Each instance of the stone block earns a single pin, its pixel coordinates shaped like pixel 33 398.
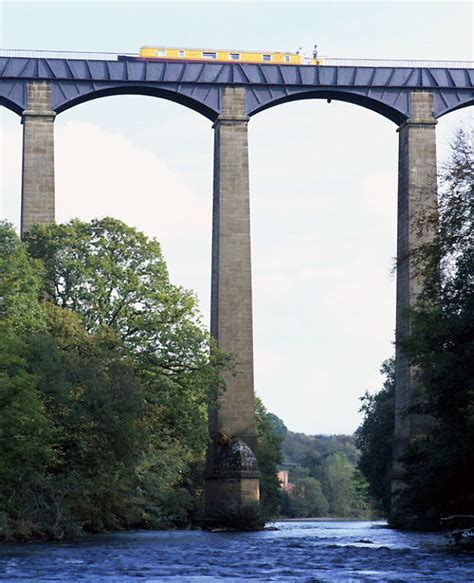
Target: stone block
pixel 37 196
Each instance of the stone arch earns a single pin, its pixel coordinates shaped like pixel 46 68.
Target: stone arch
pixel 450 109
pixel 398 116
pixel 86 93
pixel 11 105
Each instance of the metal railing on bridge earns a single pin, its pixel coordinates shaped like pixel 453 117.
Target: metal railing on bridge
pixel 408 63
pixel 90 56
pixel 338 62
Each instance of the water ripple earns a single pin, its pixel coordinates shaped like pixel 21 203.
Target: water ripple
pixel 299 551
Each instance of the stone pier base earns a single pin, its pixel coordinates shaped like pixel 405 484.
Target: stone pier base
pixel 232 488
pixel 232 477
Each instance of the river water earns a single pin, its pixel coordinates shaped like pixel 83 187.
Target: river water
pixel 297 551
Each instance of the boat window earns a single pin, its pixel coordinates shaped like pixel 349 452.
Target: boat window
pixel 287 58
pixel 209 55
pixel 234 56
pixel 266 58
pixel 160 53
pixel 181 53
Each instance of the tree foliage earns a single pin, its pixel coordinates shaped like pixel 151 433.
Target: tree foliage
pixel 439 465
pixel 323 476
pixel 269 457
pixel 26 436
pixel 20 285
pixel 374 439
pixel 337 477
pixel 105 370
pixel 116 280
pixel 441 346
pixel 307 499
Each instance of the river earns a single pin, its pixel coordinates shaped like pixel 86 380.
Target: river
pixel 297 551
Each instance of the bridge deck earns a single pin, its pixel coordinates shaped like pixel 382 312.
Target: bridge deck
pixel 383 86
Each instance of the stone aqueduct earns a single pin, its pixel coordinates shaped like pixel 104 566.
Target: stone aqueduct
pixel 413 96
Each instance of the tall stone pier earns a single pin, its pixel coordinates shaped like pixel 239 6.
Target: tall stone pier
pixel 37 194
pixel 232 477
pixel 417 212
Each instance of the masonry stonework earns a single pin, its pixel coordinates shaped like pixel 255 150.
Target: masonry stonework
pixel 37 195
pixel 417 212
pixel 231 300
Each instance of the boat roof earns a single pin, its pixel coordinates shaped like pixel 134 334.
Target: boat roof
pixel 217 50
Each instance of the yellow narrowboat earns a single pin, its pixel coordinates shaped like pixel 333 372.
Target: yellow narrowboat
pixel 227 56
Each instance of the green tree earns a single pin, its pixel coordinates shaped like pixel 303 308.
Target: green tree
pixel 308 450
pixel 269 457
pixel 313 456
pixel 374 439
pixel 338 485
pixel 20 285
pixel 439 464
pixel 95 402
pixel 307 499
pixel 25 435
pixel 442 349
pixel 104 384
pixel 116 278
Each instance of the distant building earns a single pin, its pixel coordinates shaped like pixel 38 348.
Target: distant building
pixel 285 485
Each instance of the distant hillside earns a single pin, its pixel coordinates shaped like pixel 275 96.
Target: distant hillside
pixel 306 450
pixel 322 474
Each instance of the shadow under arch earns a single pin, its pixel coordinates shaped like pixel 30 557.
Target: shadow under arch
pixel 149 91
pixel 368 103
pixel 11 105
pixel 448 110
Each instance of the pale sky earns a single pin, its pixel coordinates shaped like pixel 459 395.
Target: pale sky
pixel 323 177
